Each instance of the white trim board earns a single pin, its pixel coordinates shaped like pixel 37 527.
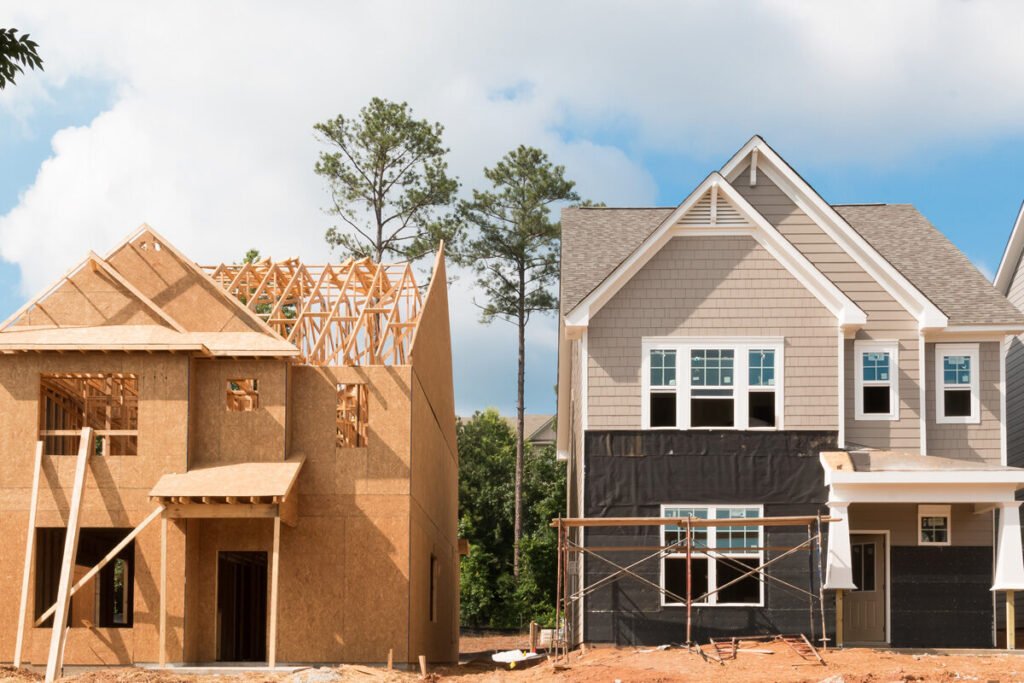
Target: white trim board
pixel 1011 255
pixel 828 219
pixel 847 313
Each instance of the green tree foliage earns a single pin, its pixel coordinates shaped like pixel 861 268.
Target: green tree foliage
pixel 389 182
pixel 16 52
pixel 513 249
pixel 491 596
pixel 251 256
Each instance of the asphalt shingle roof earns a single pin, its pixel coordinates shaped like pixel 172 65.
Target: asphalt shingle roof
pixel 923 255
pixel 596 240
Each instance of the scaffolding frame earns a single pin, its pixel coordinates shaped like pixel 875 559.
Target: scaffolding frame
pixel 569 550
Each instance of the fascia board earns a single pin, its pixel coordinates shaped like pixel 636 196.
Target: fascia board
pixel 966 477
pixel 804 196
pixel 1011 255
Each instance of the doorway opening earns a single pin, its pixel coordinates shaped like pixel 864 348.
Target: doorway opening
pixel 241 606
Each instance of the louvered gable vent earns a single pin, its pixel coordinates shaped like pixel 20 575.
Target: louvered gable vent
pixel 713 209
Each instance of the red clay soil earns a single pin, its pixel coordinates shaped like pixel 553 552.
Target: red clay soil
pixel 609 664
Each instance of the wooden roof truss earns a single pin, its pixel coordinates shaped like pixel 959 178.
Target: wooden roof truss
pixel 352 313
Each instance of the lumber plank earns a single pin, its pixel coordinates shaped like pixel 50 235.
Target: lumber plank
pixel 55 660
pixel 275 569
pixel 29 551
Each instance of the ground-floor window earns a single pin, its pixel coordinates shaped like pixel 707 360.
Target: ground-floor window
pixel 721 555
pixel 107 600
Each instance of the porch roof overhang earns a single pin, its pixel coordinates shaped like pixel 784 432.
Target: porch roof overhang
pixel 240 490
pixel 889 476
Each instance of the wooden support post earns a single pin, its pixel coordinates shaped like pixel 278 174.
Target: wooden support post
pixel 275 565
pixel 689 579
pixel 1011 622
pixel 55 661
pixel 163 592
pixel 423 666
pixel 391 658
pixel 29 550
pixel 839 617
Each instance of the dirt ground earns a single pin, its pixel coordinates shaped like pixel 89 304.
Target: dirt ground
pixel 756 662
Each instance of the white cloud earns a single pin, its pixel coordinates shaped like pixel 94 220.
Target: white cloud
pixel 209 137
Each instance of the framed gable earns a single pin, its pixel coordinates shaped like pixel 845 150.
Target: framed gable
pixel 179 287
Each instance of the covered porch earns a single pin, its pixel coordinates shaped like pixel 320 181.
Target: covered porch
pixel 241 491
pixel 923 548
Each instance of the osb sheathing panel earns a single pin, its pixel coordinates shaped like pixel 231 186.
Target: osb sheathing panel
pixel 434 532
pixel 115 494
pixel 438 639
pixel 382 466
pixel 90 298
pixel 431 354
pixel 221 437
pixel 189 297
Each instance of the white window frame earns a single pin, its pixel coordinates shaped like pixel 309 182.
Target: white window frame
pixel 860 347
pixel 712 536
pixel 971 351
pixel 935 511
pixel 741 346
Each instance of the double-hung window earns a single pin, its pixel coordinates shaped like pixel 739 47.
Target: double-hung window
pixel 877 380
pixel 692 383
pixel 662 395
pixel 956 384
pixel 721 555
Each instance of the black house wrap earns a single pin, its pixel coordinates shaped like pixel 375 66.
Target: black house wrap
pixel 632 473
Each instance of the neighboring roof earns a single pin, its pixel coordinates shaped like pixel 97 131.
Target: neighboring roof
pixel 240 480
pixel 537 427
pixel 931 262
pixel 596 240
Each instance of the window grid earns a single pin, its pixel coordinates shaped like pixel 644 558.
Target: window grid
pixel 761 368
pixel 956 370
pixel 712 368
pixel 876 367
pixel 663 368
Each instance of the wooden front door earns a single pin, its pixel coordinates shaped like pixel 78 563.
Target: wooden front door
pixel 864 608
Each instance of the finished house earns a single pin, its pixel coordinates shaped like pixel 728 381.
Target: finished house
pixel 758 353
pixel 243 463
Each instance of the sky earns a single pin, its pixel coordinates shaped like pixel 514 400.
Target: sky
pixel 197 118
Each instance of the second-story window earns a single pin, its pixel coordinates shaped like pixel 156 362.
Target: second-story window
pixel 712 387
pixel 107 402
pixel 761 397
pixel 663 388
pixel 956 384
pixel 693 383
pixel 877 380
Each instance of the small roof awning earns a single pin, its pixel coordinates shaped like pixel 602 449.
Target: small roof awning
pixel 249 489
pixel 891 476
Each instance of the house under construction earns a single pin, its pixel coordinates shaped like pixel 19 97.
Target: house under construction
pixel 240 463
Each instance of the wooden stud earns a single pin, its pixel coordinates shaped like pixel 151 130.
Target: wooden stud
pixel 275 569
pixel 839 617
pixel 423 666
pixel 391 660
pixel 1011 621
pixel 55 661
pixel 29 550
pixel 163 592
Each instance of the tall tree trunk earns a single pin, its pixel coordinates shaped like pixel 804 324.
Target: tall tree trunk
pixel 517 529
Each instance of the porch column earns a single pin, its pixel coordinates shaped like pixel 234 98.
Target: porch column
pixel 1009 574
pixel 838 572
